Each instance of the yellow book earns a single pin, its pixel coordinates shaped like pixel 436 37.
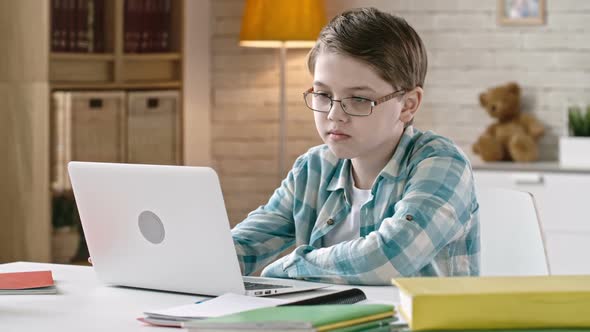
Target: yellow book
pixel 460 303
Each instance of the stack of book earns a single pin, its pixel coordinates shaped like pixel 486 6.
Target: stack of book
pixel 323 317
pixel 147 26
pixel 336 311
pixel 77 25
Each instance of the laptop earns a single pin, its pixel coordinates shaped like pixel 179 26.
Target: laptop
pixel 163 228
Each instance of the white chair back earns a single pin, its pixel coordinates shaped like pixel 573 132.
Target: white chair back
pixel 511 235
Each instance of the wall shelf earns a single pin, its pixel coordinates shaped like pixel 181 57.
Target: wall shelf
pixel 115 86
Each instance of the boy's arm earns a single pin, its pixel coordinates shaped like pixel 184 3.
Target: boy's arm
pixel 434 211
pixel 269 230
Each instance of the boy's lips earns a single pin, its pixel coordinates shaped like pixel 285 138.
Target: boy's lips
pixel 337 135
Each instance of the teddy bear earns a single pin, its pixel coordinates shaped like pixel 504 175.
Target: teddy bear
pixel 514 135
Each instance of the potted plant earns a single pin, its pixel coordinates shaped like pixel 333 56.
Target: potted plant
pixel 574 148
pixel 66 235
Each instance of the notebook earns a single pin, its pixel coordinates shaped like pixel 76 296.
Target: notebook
pixel 233 303
pixel 164 228
pixel 31 282
pixel 524 302
pixel 320 318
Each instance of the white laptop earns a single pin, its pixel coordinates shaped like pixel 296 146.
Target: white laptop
pixel 164 228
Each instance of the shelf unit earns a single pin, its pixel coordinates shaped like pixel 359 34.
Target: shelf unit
pixel 27 78
pixel 115 69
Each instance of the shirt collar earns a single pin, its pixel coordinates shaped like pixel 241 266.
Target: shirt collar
pixel 394 168
pixel 341 178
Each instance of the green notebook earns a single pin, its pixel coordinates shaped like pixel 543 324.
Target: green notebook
pixel 326 317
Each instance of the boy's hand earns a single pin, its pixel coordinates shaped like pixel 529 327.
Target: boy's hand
pixel 275 269
pixel 90 260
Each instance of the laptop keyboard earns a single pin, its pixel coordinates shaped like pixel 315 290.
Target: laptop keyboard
pixel 256 285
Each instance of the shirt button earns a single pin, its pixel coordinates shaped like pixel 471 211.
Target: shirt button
pixel 409 217
pixel 330 222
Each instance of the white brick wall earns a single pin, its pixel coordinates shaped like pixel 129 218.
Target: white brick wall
pixel 468 52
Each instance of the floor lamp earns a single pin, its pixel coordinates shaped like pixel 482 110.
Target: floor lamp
pixel 282 24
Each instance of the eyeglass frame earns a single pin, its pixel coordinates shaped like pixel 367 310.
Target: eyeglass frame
pixel 374 103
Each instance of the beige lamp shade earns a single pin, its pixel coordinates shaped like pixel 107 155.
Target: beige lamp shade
pixel 277 23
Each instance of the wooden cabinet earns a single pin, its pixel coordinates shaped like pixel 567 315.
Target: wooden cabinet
pixel 116 109
pixel 562 197
pixel 30 72
pixel 29 75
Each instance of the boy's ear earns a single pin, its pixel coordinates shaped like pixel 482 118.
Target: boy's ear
pixel 412 101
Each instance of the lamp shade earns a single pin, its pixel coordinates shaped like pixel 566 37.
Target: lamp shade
pixel 277 23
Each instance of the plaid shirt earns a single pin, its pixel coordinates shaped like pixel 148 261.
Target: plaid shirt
pixel 421 221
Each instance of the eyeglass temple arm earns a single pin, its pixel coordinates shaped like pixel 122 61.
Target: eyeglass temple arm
pixel 388 97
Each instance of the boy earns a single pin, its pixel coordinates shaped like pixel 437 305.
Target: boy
pixel 380 199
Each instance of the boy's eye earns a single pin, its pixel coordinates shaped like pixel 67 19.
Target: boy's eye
pixel 358 99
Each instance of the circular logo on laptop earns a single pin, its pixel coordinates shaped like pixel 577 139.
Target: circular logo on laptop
pixel 151 227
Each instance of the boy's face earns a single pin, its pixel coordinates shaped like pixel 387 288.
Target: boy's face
pixel 372 137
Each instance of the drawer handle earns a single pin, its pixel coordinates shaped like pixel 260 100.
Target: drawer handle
pixel 153 102
pixel 528 179
pixel 95 103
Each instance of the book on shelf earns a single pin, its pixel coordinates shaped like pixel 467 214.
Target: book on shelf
pixel 56 25
pixel 30 282
pixel 132 18
pixel 323 317
pixel 475 303
pixel 97 33
pixel 81 42
pixel 71 32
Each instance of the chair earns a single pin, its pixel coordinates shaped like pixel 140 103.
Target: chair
pixel 510 233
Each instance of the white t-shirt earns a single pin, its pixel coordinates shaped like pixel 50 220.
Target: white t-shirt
pixel 349 229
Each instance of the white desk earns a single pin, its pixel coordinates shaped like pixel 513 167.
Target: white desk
pixel 84 304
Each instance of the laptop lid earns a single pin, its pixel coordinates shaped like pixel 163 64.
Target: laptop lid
pixel 158 227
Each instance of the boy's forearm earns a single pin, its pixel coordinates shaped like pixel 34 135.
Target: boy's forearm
pixel 260 239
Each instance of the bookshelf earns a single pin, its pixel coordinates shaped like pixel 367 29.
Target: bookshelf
pixel 119 66
pixel 34 70
pixel 141 50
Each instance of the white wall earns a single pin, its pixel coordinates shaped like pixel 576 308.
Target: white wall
pixel 468 53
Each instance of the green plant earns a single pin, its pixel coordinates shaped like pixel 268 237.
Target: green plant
pixel 579 122
pixel 64 212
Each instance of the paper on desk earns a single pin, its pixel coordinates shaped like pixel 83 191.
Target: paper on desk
pixel 222 305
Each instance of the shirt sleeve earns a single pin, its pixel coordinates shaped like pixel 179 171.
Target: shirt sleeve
pixel 434 211
pixel 270 229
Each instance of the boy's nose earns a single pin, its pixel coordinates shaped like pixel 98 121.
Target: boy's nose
pixel 337 112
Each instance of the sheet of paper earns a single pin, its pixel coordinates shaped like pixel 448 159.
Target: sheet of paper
pixel 222 305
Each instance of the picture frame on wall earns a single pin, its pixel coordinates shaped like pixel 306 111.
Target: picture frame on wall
pixel 521 12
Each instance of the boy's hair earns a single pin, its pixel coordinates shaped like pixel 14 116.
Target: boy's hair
pixel 385 42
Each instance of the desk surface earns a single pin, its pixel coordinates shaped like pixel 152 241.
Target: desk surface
pixel 84 304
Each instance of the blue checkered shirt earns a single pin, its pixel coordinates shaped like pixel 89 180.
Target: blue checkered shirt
pixel 421 221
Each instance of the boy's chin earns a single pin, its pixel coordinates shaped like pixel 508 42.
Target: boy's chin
pixel 341 153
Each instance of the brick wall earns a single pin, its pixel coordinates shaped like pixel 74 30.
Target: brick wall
pixel 468 52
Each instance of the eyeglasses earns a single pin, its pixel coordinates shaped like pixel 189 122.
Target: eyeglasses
pixel 354 106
